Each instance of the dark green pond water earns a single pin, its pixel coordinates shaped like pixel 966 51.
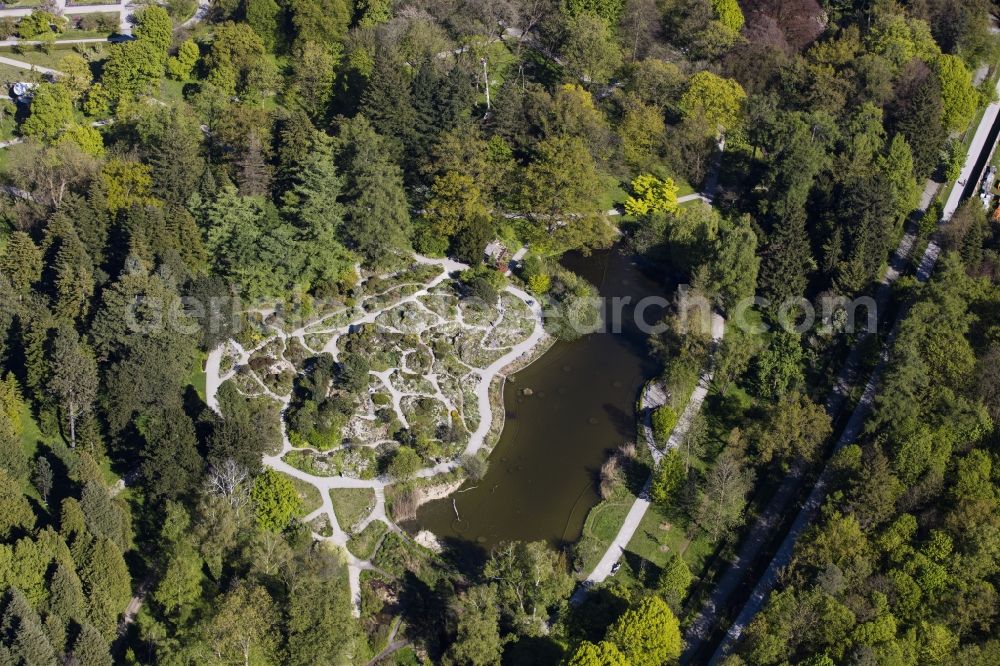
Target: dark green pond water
pixel 543 473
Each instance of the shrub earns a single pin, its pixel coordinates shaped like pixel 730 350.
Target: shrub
pixel 539 283
pixel 483 283
pixel 475 467
pixel 664 419
pixel 275 500
pixel 87 22
pixel 107 22
pixel 404 464
pixel 667 478
pixel 611 477
pixel 404 503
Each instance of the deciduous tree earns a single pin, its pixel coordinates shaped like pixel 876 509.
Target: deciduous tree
pixel 275 500
pixel 648 635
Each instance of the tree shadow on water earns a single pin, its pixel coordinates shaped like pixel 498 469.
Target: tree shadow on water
pixel 465 557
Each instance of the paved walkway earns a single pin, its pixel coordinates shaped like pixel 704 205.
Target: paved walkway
pixel 21 64
pixel 975 148
pixel 807 514
pixel 641 503
pixel 35 42
pixel 761 532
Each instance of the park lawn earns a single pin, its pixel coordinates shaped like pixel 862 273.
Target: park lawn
pixel 612 194
pixel 658 537
pixel 5 162
pixel 405 657
pixel 308 495
pixel 171 92
pixel 75 33
pixel 197 379
pixel 684 188
pixel 32 439
pixel 363 545
pixel 32 436
pixel 502 64
pixel 36 56
pixel 599 530
pixel 10 74
pixel 605 519
pixel 351 505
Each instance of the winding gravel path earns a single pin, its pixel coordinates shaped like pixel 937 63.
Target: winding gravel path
pixel 214 379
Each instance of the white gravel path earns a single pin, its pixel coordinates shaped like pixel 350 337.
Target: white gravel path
pixel 214 378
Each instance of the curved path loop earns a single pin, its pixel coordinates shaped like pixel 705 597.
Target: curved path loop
pixel 215 378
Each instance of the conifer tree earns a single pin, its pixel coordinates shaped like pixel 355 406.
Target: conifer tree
pixel 66 594
pixel 21 262
pixel 21 629
pixel 74 377
pixel 90 648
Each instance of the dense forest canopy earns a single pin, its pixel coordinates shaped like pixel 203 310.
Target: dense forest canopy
pixel 259 161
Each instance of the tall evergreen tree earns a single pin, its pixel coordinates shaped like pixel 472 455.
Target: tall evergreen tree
pixel 388 103
pixel 74 377
pixel 90 648
pixel 378 217
pixel 313 204
pixel 15 511
pixel 21 262
pixel 171 465
pixel 66 594
pixel 175 157
pixel 107 583
pixel 787 261
pixel 919 116
pixel 22 630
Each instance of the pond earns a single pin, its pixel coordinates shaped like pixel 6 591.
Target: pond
pixel 542 478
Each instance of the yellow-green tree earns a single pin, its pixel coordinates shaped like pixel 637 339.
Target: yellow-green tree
pixel 76 77
pixel 729 14
pixel 590 51
pixel 648 635
pixel 86 137
pixel 127 184
pixel 456 201
pixel 244 630
pixel 275 500
pixel 51 112
pixel 958 95
pixel 180 66
pixel 719 101
pixel 651 195
pixel 643 132
pixel 601 654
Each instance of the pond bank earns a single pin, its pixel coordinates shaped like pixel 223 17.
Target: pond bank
pixel 541 481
